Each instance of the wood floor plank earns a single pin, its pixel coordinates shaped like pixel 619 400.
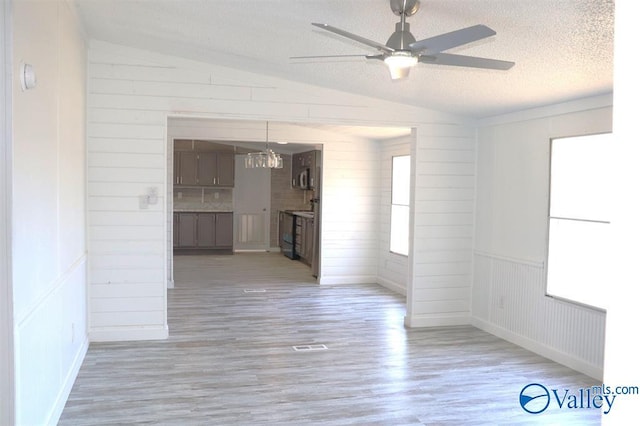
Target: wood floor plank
pixel 230 360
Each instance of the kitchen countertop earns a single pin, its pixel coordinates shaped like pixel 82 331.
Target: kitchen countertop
pixel 201 211
pixel 302 213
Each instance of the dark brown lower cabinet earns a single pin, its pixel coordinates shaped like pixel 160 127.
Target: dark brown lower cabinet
pixel 203 230
pixel 206 235
pixel 187 230
pixel 224 230
pixel 304 239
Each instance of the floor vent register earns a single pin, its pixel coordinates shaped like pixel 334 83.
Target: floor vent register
pixel 308 348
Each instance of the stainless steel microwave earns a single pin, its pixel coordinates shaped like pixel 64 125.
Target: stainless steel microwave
pixel 302 180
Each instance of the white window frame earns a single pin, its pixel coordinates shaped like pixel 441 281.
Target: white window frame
pixel 577 266
pixel 400 204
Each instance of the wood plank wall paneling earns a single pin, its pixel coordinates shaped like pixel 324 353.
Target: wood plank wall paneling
pixel 509 300
pixel 444 192
pixel 131 94
pixel 47 182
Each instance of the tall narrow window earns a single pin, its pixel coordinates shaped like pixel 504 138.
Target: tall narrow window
pixel 400 187
pixel 579 218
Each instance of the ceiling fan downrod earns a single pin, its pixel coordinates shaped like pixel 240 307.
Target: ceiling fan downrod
pixel 402 37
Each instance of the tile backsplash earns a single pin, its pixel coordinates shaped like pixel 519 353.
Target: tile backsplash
pixel 213 199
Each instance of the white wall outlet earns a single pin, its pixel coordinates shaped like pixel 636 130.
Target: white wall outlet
pixel 216 195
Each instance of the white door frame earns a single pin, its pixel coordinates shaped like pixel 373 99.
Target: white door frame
pixel 7 388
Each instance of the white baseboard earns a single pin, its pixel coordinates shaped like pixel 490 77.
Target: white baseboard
pixel 436 320
pixel 121 334
pixel 348 279
pixel 553 354
pixel 393 286
pixel 65 390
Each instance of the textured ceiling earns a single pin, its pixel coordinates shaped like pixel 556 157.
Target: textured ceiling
pixel 563 49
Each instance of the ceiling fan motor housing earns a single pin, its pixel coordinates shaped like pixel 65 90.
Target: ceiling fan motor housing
pixel 401 38
pixel 405 7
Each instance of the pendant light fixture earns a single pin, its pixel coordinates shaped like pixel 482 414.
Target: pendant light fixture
pixel 266 159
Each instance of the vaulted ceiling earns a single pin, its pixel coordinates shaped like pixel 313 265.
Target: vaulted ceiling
pixel 563 49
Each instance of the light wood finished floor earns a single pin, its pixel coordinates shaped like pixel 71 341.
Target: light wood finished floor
pixel 229 359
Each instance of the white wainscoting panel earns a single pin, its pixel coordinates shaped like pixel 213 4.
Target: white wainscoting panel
pixel 509 300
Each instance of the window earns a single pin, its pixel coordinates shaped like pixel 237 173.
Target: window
pixel 400 186
pixel 579 218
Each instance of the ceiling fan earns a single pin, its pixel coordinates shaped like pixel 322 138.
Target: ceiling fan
pixel 402 51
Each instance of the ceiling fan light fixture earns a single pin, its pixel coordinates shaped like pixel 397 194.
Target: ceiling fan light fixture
pixel 400 63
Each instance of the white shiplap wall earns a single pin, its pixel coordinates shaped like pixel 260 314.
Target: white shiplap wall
pixel 131 95
pixel 509 284
pixel 48 183
pixel 392 267
pixel 439 289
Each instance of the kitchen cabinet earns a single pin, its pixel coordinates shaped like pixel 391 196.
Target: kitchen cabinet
pixel 186 168
pixel 206 230
pixel 297 235
pixel 308 240
pixel 186 230
pixel 224 230
pixel 304 239
pixel 215 169
pixel 204 168
pixel 203 230
pixel 304 163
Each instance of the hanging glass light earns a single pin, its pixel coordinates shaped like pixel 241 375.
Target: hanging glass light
pixel 267 159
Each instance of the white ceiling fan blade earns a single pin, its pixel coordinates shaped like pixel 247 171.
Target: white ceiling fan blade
pixel 452 39
pixel 354 37
pixel 465 61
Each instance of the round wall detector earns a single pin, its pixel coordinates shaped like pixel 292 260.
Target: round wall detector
pixel 27 76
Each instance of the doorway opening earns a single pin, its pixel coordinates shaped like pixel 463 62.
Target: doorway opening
pixel 348 204
pixel 236 210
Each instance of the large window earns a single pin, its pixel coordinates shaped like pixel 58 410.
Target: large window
pixel 400 186
pixel 579 218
